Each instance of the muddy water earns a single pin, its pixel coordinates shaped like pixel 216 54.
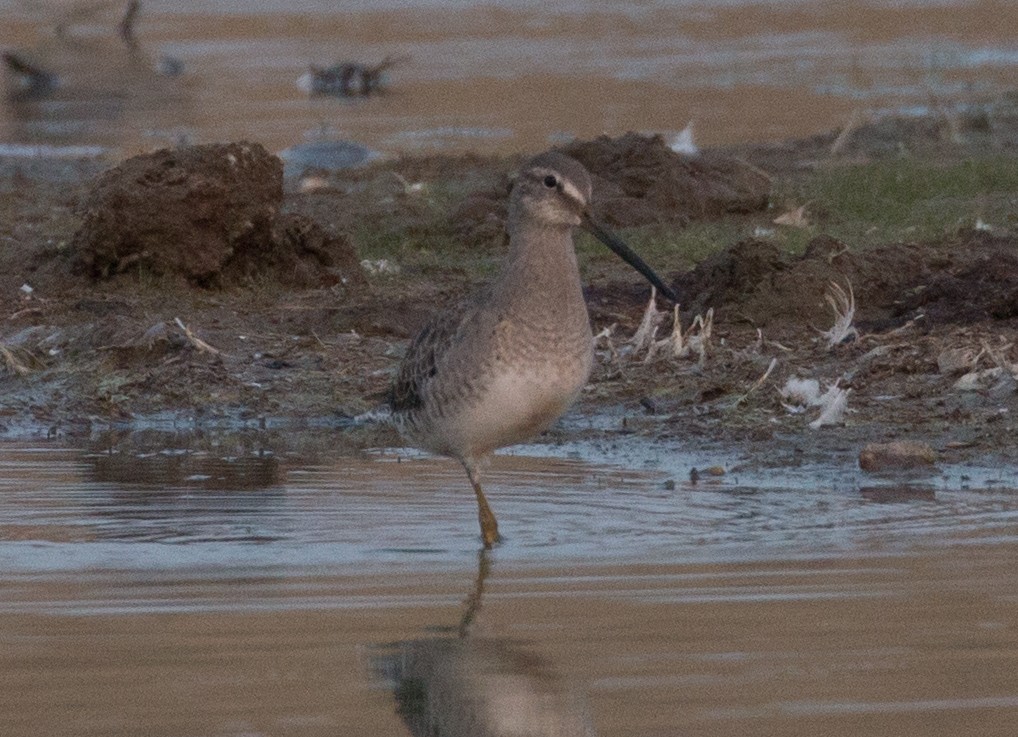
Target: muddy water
pixel 506 77
pixel 176 592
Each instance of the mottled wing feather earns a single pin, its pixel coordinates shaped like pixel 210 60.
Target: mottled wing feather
pixel 423 359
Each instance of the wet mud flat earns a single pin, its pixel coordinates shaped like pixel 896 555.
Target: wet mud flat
pixel 200 288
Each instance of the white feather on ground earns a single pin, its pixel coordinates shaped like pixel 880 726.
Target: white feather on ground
pixel 800 394
pixel 843 305
pixel 683 143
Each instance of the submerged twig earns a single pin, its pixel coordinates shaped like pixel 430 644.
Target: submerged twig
pixel 125 29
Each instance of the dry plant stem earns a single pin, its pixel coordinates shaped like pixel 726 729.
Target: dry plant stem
pixel 194 340
pixel 647 331
pixel 606 336
pixel 759 382
pixel 13 364
pixel 846 133
pixel 999 358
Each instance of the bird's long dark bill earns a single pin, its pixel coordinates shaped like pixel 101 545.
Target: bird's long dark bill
pixel 628 255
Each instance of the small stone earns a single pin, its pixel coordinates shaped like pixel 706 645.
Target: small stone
pixel 897 455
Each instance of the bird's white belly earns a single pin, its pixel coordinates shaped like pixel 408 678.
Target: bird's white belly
pixel 516 406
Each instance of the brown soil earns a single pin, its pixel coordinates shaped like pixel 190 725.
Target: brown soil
pixel 638 180
pixel 180 293
pixel 209 214
pixel 969 278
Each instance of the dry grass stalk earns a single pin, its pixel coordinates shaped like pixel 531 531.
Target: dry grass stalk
pixel 605 338
pixel 853 122
pixel 674 340
pixel 759 382
pixel 11 361
pixel 696 342
pixel 981 380
pixel 644 337
pixel 793 218
pixel 999 357
pixel 195 341
pixel 843 305
pixel 699 339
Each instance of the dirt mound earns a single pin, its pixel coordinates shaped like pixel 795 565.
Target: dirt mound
pixel 969 278
pixel 726 278
pixel 209 214
pixel 639 180
pixel 978 280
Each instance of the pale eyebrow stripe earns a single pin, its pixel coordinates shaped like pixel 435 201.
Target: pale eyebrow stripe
pixel 570 190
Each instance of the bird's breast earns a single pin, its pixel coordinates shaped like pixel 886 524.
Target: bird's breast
pixel 521 402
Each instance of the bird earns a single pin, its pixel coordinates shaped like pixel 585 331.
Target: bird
pixel 29 80
pixel 348 78
pixel 505 364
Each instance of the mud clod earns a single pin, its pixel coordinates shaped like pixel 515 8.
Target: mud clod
pixel 961 279
pixel 899 455
pixel 206 213
pixel 638 180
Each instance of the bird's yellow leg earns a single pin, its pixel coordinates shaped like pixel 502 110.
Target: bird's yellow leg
pixel 489 526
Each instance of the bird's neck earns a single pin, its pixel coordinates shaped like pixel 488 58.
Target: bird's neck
pixel 541 275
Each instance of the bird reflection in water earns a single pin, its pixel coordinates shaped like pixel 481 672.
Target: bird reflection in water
pixel 466 684
pixel 95 87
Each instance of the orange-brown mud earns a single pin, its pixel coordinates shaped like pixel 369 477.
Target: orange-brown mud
pixel 127 320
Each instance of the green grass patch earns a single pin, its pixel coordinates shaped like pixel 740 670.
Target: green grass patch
pixel 903 199
pixel 899 199
pixel 426 255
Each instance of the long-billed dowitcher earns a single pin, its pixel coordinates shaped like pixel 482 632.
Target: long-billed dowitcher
pixel 504 365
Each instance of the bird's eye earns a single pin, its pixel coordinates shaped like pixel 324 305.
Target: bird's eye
pixel 550 182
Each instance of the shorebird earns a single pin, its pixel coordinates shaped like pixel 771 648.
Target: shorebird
pixel 29 80
pixel 504 365
pixel 347 79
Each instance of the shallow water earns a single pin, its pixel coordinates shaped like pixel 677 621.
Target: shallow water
pixel 507 77
pixel 182 592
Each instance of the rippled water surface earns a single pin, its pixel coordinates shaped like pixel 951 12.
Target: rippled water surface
pixel 183 592
pixel 504 76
